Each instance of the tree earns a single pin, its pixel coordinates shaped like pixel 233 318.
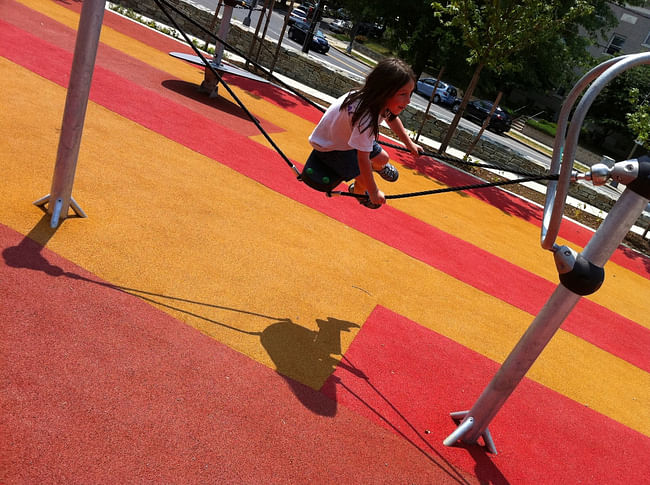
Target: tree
pixel 358 10
pixel 639 121
pixel 495 30
pixel 621 108
pixel 416 34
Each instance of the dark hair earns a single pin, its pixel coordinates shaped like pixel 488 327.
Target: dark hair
pixel 381 84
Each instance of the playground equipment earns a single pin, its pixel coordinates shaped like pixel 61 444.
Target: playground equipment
pixel 60 198
pixel 210 84
pixel 580 273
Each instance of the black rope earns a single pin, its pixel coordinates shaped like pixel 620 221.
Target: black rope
pixel 233 49
pixel 454 189
pixel 230 91
pixel 527 177
pixel 448 158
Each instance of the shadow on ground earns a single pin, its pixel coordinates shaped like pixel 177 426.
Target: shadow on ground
pixel 300 355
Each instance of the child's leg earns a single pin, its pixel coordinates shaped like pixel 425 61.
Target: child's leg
pixel 380 161
pixel 358 187
pixel 380 164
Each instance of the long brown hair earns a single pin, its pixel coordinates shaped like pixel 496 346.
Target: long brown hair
pixel 381 84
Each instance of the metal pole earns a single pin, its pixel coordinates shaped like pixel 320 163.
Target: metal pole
pixel 247 21
pixel 224 28
pixel 602 245
pixel 213 22
pixel 313 25
pixel 81 73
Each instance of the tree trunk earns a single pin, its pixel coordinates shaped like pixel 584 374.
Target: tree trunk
pixel 461 108
pixel 353 34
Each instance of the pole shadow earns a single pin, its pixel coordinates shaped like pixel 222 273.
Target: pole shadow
pixel 485 469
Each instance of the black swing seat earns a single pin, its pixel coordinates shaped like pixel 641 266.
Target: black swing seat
pixel 318 175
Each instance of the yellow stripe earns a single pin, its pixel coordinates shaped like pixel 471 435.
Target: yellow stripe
pixel 168 221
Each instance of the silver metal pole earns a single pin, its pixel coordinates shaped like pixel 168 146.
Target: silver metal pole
pixel 602 245
pixel 81 73
pixel 224 28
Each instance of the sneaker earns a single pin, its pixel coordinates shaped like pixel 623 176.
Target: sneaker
pixel 389 172
pixel 365 202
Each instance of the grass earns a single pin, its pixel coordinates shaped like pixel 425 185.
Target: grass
pixel 544 126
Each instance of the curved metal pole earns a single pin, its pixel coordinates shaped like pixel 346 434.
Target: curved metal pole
pixel 550 222
pixel 602 245
pixel 576 123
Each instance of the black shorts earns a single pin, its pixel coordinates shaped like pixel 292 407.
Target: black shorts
pixel 345 162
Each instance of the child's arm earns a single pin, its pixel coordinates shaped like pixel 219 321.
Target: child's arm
pixel 367 179
pixel 398 128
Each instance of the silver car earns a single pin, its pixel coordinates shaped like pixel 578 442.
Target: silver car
pixel 445 93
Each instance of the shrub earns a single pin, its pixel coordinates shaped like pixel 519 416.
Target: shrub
pixel 543 126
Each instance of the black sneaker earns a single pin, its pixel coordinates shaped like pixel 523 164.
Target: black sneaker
pixel 365 202
pixel 389 172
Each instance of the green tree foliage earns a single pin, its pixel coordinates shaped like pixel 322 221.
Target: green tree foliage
pixel 496 30
pixel 622 107
pixel 639 121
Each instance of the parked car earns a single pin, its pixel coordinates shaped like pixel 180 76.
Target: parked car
pixel 298 32
pixel 340 26
pixel 478 110
pixel 297 15
pixel 445 93
pixel 368 29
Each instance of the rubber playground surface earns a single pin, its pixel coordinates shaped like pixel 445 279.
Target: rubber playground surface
pixel 213 320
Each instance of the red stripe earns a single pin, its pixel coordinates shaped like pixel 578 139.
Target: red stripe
pixel 408 379
pixel 495 276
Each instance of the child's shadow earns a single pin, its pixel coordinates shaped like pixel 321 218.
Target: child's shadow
pixel 306 358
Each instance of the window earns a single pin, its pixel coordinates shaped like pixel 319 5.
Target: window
pixel 615 44
pixel 646 42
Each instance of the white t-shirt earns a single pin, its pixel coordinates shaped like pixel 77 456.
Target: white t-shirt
pixel 335 131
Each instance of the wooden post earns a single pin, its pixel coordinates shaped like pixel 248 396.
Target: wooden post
pixel 486 122
pixel 426 111
pixel 284 28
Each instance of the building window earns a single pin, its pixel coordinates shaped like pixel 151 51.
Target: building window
pixel 615 44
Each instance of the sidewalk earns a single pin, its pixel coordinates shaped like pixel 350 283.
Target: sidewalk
pixel 213 320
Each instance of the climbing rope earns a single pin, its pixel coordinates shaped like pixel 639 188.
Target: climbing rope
pixel 454 189
pixel 527 177
pixel 234 50
pixel 228 88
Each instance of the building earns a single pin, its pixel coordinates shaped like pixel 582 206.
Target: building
pixel 631 35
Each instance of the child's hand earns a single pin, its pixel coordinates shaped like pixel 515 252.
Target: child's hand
pixel 415 149
pixel 377 197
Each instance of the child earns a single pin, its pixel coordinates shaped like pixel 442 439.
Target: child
pixel 345 138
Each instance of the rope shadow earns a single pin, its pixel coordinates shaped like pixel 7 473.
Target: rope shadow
pixel 485 470
pixel 299 354
pixel 190 90
pixel 452 177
